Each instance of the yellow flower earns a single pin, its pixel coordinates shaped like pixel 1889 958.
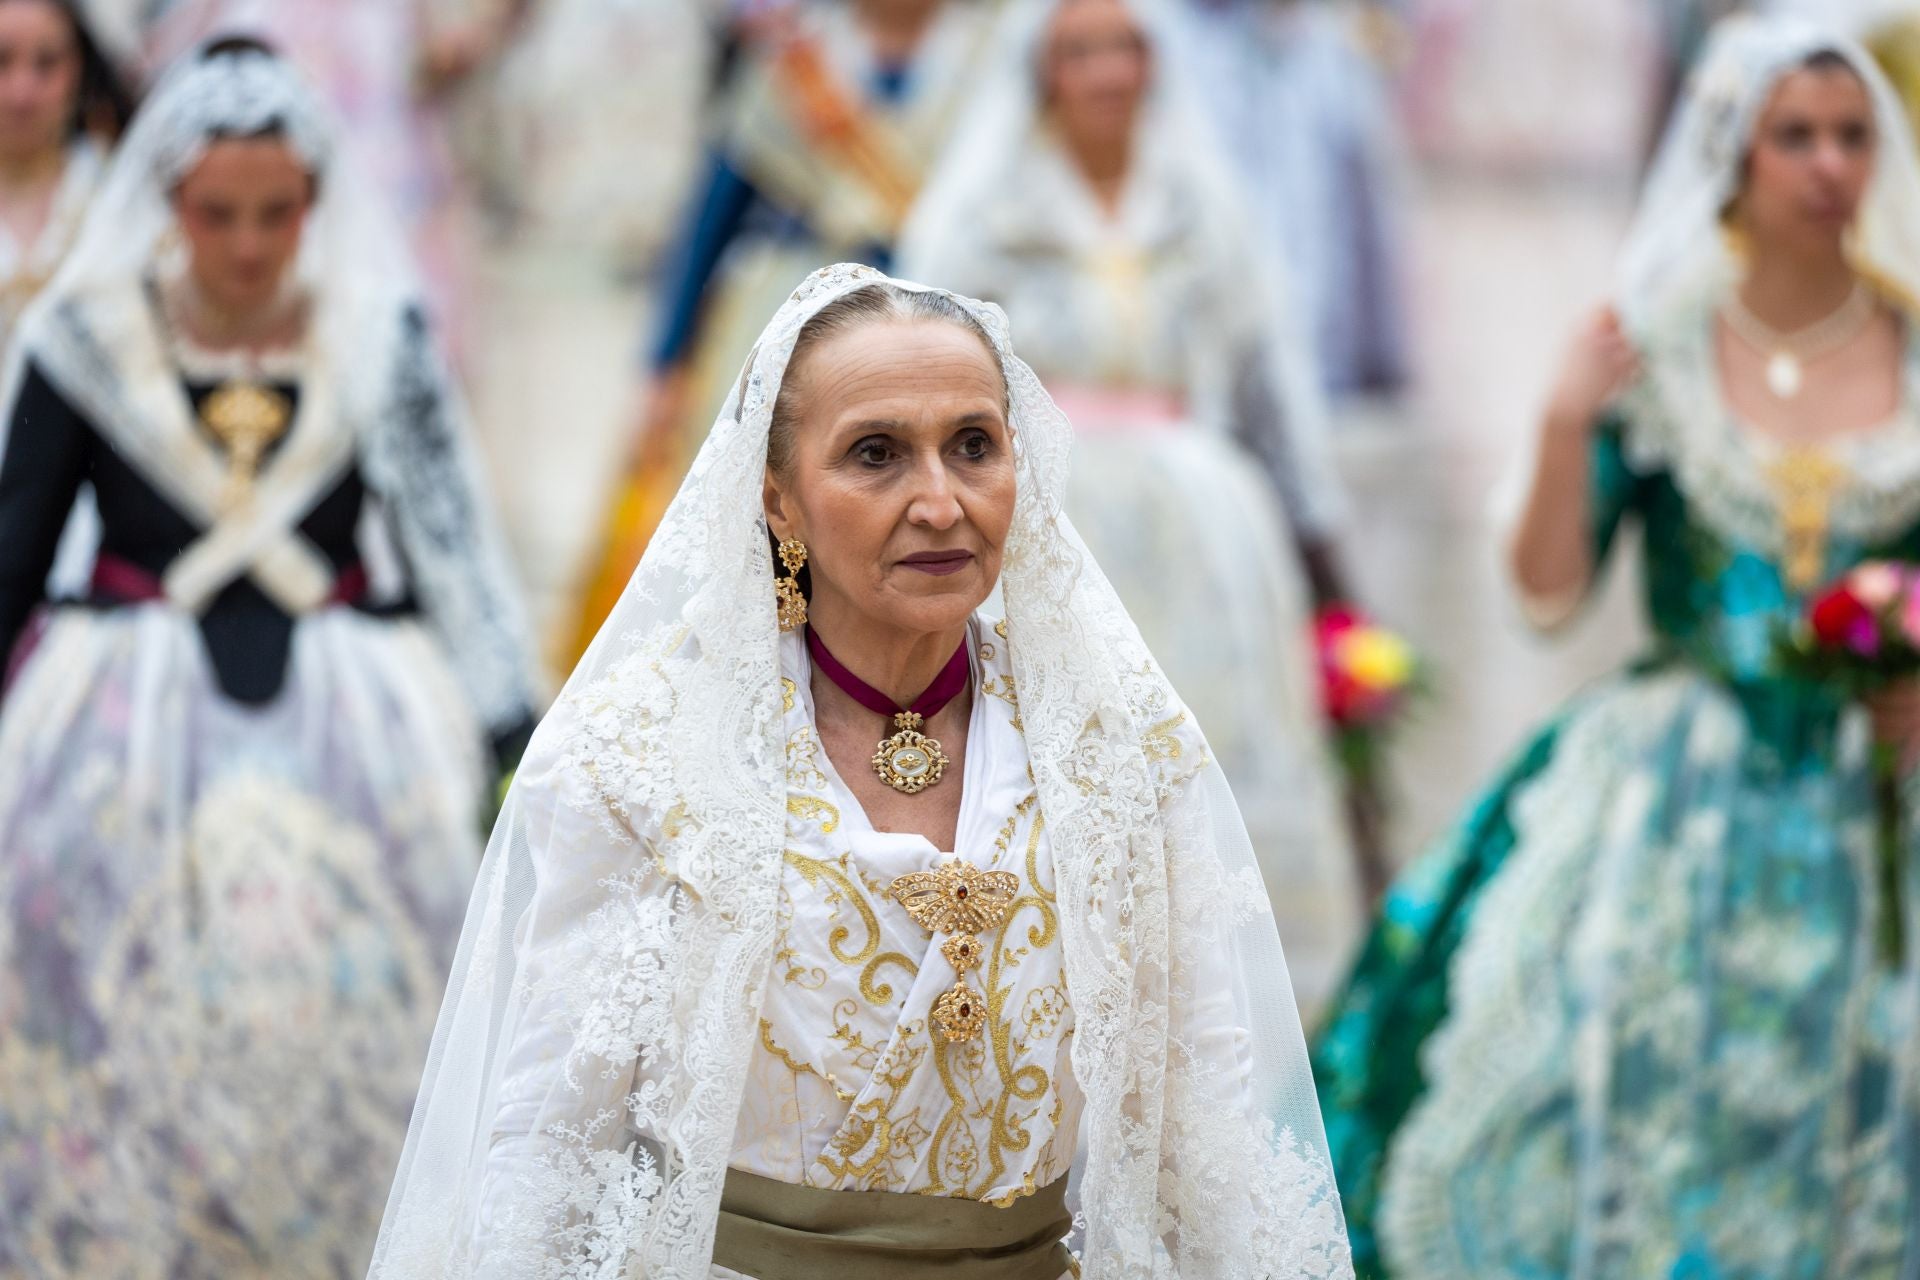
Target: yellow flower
pixel 1377 660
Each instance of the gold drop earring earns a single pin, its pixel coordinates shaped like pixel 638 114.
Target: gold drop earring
pixel 789 603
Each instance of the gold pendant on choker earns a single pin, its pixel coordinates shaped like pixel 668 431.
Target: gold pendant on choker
pixel 909 761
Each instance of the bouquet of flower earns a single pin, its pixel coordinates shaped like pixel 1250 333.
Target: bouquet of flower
pixel 1367 676
pixel 1862 636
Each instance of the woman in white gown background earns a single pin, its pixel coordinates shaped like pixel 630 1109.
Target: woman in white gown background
pixel 239 782
pixel 1085 197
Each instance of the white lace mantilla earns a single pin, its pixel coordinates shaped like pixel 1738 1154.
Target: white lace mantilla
pixel 629 911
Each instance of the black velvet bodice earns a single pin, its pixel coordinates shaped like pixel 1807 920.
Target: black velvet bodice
pixel 52 450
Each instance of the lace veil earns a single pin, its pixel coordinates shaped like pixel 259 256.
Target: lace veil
pixel 1679 264
pixel 1677 258
pixel 582 1089
pixel 369 359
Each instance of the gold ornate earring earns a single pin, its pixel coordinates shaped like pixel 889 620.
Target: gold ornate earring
pixel 788 602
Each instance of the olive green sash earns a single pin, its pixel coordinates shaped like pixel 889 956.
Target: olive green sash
pixel 776 1231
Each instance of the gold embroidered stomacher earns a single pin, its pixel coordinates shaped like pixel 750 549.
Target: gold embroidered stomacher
pixel 962 901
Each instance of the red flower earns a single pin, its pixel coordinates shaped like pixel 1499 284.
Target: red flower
pixel 1838 619
pixel 1336 619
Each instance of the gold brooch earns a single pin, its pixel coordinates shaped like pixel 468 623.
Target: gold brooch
pixel 246 417
pixel 963 901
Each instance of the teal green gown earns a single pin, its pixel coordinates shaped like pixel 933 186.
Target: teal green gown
pixel 1628 1020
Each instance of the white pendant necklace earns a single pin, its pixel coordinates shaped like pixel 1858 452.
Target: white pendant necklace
pixel 1788 354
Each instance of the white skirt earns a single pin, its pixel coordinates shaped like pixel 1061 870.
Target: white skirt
pixel 224 933
pixel 1190 533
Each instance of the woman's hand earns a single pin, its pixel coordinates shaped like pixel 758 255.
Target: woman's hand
pixel 1599 365
pixel 1896 721
pixel 1549 555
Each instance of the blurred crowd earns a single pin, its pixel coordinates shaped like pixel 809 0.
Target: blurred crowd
pixel 1254 249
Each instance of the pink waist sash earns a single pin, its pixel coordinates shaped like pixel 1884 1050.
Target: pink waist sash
pixel 126 582
pixel 1097 410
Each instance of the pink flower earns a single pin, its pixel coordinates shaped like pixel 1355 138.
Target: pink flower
pixel 1864 638
pixel 1875 583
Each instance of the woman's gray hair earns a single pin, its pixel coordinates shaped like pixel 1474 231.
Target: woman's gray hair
pixel 865 305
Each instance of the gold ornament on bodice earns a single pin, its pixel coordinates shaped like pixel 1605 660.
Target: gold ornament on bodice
pixel 962 901
pixel 246 417
pixel 1804 480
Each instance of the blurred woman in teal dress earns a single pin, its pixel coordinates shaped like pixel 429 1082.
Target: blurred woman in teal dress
pixel 1630 1019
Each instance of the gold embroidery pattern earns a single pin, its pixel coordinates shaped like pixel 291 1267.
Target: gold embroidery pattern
pixel 840 890
pixel 918 1112
pixel 811 808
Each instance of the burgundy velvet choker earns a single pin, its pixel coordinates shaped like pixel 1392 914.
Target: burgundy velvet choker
pixel 909 761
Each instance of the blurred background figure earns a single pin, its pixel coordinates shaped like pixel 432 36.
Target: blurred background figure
pixel 1083 196
pixel 61 108
pixel 1514 85
pixel 240 782
pixel 1304 109
pixel 823 128
pixel 1526 129
pixel 579 138
pixel 1647 1010
pixel 385 66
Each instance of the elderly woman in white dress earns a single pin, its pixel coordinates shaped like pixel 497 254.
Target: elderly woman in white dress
pixel 829 916
pixel 1083 197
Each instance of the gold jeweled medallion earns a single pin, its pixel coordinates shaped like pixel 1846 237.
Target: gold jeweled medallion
pixel 963 901
pixel 1805 480
pixel 909 761
pixel 961 1013
pixel 246 418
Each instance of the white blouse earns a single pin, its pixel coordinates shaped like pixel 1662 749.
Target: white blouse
pixel 853 1086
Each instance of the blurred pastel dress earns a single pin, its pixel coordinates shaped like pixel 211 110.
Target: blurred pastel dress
pixel 580 141
pixel 241 777
pixel 1200 455
pixel 1308 124
pixel 1630 1017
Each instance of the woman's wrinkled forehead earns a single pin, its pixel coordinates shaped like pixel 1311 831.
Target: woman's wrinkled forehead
pixel 891 355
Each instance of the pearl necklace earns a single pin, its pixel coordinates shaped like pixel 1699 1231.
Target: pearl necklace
pixel 1787 354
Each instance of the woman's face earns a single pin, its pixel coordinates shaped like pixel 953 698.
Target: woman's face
pixel 1811 161
pixel 39 76
pixel 1094 70
pixel 242 209
pixel 900 475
